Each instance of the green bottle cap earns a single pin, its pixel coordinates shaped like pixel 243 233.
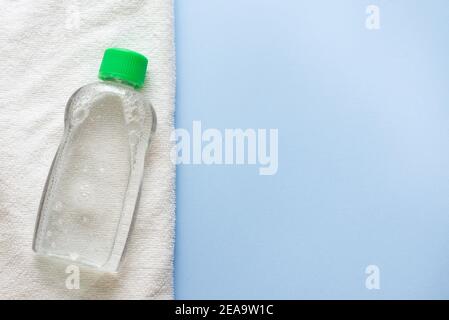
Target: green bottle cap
pixel 125 65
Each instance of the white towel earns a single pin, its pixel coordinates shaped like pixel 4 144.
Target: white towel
pixel 48 49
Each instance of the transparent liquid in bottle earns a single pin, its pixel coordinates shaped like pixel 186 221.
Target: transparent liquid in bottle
pixel 93 187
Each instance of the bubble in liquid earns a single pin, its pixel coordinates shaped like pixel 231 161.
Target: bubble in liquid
pixel 135 113
pixel 101 170
pixel 74 256
pixel 79 115
pixel 81 191
pixel 58 206
pixel 84 191
pixel 83 196
pixel 134 127
pixel 53 245
pixel 133 137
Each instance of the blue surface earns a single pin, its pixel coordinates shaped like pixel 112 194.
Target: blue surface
pixel 363 119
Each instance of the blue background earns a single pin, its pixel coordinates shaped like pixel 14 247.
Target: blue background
pixel 363 119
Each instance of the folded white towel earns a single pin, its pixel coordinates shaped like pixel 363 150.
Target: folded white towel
pixel 48 49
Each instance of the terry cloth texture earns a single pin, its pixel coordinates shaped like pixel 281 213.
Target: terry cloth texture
pixel 48 49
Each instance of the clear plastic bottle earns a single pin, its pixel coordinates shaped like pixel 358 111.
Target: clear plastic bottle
pixel 93 187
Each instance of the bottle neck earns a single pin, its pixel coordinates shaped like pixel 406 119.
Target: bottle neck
pixel 120 81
